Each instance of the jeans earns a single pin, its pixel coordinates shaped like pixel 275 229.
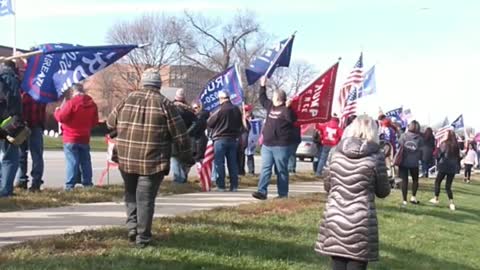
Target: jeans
pixel 340 263
pixel 35 144
pixel 78 155
pixel 278 156
pixel 226 148
pixel 140 194
pixel 292 160
pixel 180 171
pixel 468 171
pixel 448 184
pixel 403 173
pixel 425 166
pixel 8 167
pixel 241 160
pixel 322 159
pixel 251 164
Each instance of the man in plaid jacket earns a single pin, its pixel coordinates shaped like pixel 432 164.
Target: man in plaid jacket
pixel 147 124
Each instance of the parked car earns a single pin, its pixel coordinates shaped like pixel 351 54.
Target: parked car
pixel 307 149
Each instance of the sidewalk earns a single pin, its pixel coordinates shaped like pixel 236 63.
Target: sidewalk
pixel 32 224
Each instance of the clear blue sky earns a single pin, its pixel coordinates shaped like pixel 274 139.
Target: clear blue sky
pixel 426 51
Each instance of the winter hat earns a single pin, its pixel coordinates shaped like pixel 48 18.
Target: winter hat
pixel 180 95
pixel 151 77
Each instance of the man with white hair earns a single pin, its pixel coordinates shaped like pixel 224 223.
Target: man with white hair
pixel 279 136
pixel 78 116
pixel 226 125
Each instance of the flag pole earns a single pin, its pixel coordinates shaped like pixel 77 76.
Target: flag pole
pixel 14 27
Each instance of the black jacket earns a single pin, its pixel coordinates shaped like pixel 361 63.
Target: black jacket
pixel 186 113
pixel 279 127
pixel 226 122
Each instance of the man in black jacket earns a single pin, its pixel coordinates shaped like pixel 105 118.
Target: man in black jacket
pixel 279 136
pixel 226 125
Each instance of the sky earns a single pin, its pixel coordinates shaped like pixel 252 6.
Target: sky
pixel 426 52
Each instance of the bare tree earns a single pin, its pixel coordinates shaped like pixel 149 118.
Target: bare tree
pixel 294 78
pixel 158 30
pixel 211 45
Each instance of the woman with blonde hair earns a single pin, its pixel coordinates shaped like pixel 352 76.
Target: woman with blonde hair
pixel 355 173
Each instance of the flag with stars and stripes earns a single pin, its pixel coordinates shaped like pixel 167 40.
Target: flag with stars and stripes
pixel 6 7
pixel 205 167
pixel 349 91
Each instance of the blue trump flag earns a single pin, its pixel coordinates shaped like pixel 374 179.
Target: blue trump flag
pixel 396 115
pixel 6 7
pixel 227 80
pixel 369 86
pixel 266 63
pixel 52 72
pixel 458 123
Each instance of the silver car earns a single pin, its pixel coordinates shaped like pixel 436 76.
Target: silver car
pixel 307 149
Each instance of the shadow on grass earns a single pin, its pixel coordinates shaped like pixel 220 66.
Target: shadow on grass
pixel 461 215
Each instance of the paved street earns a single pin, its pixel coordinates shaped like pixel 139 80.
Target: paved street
pixel 54 175
pixel 24 225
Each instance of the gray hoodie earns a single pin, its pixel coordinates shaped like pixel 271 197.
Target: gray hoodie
pixel 412 149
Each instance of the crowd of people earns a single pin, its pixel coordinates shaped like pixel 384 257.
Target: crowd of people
pixel 155 135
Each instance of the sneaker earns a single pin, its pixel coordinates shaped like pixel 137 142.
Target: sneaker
pixel 281 197
pixel 259 196
pixel 220 189
pixel 142 245
pixel 34 189
pixel 414 201
pixel 404 204
pixel 452 207
pixel 434 201
pixel 21 184
pixel 234 190
pixel 132 236
pixel 468 181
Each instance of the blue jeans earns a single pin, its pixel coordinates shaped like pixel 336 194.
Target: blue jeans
pixel 8 167
pixel 292 160
pixel 180 171
pixel 78 155
pixel 226 148
pixel 425 167
pixel 322 159
pixel 278 156
pixel 35 144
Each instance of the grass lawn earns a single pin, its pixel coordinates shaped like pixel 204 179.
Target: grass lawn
pixel 277 234
pixel 97 143
pixel 57 197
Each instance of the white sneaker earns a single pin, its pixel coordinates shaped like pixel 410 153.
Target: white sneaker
pixel 434 201
pixel 452 207
pixel 404 204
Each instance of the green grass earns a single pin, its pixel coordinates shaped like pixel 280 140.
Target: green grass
pixel 277 234
pixel 57 197
pixel 97 143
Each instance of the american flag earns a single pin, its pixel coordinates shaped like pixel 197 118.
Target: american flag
pixel 442 134
pixel 204 168
pixel 349 92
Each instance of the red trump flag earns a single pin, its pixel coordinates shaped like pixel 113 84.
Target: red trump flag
pixel 314 104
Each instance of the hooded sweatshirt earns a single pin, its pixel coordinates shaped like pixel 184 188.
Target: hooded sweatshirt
pixel 330 132
pixel 412 149
pixel 78 116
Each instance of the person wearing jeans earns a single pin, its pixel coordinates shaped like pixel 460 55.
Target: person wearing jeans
pixel 226 148
pixel 147 124
pixel 279 136
pixel 330 133
pixel 78 116
pixel 226 125
pixel 34 114
pixel 8 167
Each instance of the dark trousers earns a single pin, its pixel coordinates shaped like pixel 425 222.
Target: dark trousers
pixel 140 193
pixel 468 171
pixel 241 159
pixel 251 164
pixel 448 184
pixel 340 263
pixel 403 172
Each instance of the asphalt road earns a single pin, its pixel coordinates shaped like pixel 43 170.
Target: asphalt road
pixel 54 174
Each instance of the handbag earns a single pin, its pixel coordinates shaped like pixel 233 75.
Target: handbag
pixel 397 160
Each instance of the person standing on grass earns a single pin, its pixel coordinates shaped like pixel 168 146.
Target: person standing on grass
pixel 10 105
pixel 243 139
pixel 197 132
pixel 181 170
pixel 34 114
pixel 331 133
pixel 427 151
pixel 447 165
pixel 411 144
pixel 147 124
pixel 355 174
pixel 226 124
pixel 470 161
pixel 292 159
pixel 78 116
pixel 278 138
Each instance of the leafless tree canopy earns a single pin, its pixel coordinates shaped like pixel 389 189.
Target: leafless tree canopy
pixel 294 78
pixel 158 30
pixel 211 44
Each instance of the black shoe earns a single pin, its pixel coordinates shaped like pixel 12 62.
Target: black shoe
pixel 414 202
pixel 259 196
pixel 132 236
pixel 21 184
pixel 281 197
pixel 142 245
pixel 34 189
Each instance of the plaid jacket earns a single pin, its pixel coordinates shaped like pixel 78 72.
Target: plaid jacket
pixel 34 113
pixel 147 124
